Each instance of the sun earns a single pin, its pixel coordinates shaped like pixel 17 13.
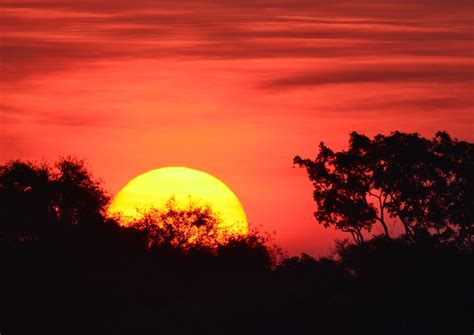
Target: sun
pixel 156 187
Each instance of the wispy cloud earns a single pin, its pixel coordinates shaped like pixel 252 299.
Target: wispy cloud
pixel 39 36
pixel 378 73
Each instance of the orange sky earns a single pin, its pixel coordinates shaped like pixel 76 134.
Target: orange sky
pixel 233 88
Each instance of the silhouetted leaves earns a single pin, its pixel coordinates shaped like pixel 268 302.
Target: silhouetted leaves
pixel 78 198
pixel 36 198
pixel 191 227
pixel 25 193
pixel 424 186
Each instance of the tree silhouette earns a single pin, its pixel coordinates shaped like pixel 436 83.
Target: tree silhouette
pixel 250 252
pixel 77 197
pixel 190 227
pixel 425 186
pixel 195 230
pixel 36 198
pixel 25 192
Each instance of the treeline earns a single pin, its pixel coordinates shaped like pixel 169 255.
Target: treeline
pixel 67 268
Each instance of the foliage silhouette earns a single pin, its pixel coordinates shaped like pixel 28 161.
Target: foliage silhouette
pixel 34 198
pixel 253 251
pixel 425 186
pixel 78 198
pixel 67 268
pixel 184 228
pixel 25 209
pixel 195 230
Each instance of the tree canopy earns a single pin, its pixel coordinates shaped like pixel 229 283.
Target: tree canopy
pixel 192 226
pixel 36 197
pixel 400 180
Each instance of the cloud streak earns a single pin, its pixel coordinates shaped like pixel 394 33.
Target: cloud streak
pixel 378 73
pixel 39 36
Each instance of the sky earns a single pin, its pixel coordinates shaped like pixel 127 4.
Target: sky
pixel 234 88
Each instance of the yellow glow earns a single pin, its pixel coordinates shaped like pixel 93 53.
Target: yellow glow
pixel 156 187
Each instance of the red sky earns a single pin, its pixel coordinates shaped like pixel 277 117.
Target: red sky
pixel 234 88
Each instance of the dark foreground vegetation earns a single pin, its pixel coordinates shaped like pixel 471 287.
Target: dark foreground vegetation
pixel 68 269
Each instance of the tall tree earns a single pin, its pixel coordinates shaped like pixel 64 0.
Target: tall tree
pixel 424 186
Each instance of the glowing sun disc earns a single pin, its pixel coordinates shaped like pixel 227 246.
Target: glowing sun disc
pixel 154 188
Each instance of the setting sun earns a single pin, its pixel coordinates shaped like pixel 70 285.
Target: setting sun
pixel 154 188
